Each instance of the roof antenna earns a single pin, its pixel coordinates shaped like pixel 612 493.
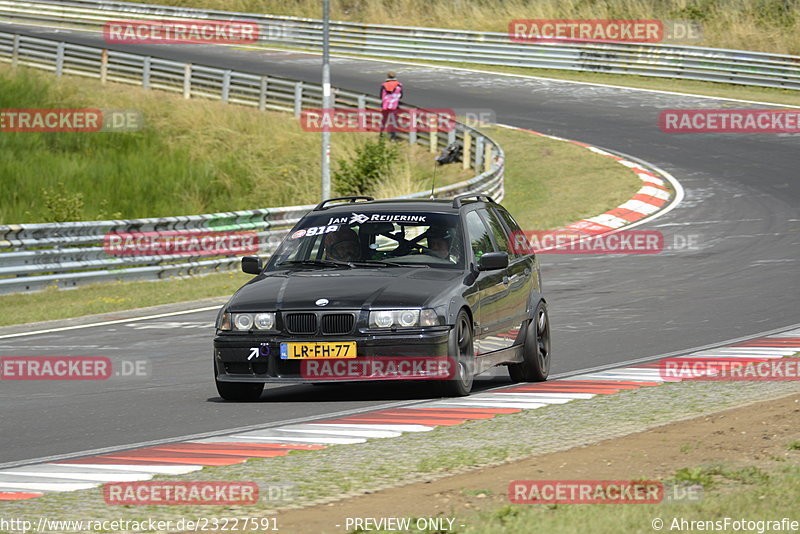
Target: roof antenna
pixel 433 181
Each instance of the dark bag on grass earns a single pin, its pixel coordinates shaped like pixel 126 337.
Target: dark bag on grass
pixel 450 154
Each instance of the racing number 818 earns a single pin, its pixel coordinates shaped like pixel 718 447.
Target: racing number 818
pixel 318 230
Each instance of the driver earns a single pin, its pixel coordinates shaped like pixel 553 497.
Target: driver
pixel 342 245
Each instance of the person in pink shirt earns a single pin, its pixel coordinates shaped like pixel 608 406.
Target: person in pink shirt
pixel 391 93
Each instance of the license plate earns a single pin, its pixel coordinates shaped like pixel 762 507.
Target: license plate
pixel 318 350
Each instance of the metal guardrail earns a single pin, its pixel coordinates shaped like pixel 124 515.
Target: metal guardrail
pixel 36 256
pixel 406 42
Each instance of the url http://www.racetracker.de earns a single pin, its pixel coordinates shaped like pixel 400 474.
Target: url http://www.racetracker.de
pixel 198 524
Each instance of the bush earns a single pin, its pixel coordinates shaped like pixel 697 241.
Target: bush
pixel 372 164
pixel 61 205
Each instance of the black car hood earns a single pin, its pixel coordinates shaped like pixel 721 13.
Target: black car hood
pixel 351 288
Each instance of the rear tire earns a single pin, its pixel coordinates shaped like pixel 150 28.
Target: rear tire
pixel 536 351
pixel 238 391
pixel 462 359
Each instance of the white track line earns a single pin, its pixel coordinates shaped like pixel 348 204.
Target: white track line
pixel 115 321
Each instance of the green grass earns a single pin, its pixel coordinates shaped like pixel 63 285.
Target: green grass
pixel 552 183
pixel 115 296
pixel 754 498
pixel 193 156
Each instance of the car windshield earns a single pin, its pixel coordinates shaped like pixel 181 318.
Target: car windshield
pixel 372 239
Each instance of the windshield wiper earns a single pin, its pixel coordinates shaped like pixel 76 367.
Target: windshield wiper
pixel 317 263
pixel 383 263
pixel 372 263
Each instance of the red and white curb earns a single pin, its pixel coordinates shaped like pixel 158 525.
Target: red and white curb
pixel 653 197
pixel 184 457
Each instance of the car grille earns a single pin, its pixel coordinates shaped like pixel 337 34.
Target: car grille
pixel 301 323
pixel 332 324
pixel 337 323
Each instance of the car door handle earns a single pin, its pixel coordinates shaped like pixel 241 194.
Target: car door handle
pixel 506 281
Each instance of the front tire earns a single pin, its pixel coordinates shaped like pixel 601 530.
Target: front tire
pixel 238 391
pixel 462 359
pixel 536 352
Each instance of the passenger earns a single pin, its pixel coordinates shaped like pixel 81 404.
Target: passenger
pixel 439 242
pixel 439 246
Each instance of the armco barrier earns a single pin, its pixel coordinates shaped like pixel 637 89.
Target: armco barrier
pixel 406 42
pixel 36 256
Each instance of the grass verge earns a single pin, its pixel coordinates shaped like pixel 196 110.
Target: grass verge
pixel 114 296
pixel 192 156
pixel 548 183
pixel 750 495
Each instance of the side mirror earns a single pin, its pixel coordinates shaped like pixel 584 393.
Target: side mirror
pixel 492 261
pixel 251 265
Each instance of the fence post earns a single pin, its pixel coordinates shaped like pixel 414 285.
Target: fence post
pixel 262 94
pixel 146 73
pixel 298 98
pixel 60 59
pixel 15 51
pixel 362 101
pixel 434 134
pixel 451 135
pixel 187 81
pixel 479 140
pixel 488 157
pixel 226 86
pixel 467 150
pixel 412 130
pixel 104 66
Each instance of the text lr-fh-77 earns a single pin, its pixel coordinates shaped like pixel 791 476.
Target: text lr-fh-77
pixel 364 290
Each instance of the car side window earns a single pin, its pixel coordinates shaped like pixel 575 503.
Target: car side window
pixel 519 243
pixel 478 235
pixel 499 233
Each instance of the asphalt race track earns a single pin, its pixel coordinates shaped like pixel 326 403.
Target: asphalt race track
pixel 742 207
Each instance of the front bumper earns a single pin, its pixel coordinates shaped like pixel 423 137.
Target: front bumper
pixel 236 360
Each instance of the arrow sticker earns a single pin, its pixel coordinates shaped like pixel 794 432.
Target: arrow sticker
pixel 253 353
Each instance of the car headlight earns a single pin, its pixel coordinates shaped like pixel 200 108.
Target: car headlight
pixel 264 321
pixel 242 321
pixel 247 321
pixel 408 318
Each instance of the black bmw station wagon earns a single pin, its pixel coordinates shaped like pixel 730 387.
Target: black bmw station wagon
pixel 364 290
